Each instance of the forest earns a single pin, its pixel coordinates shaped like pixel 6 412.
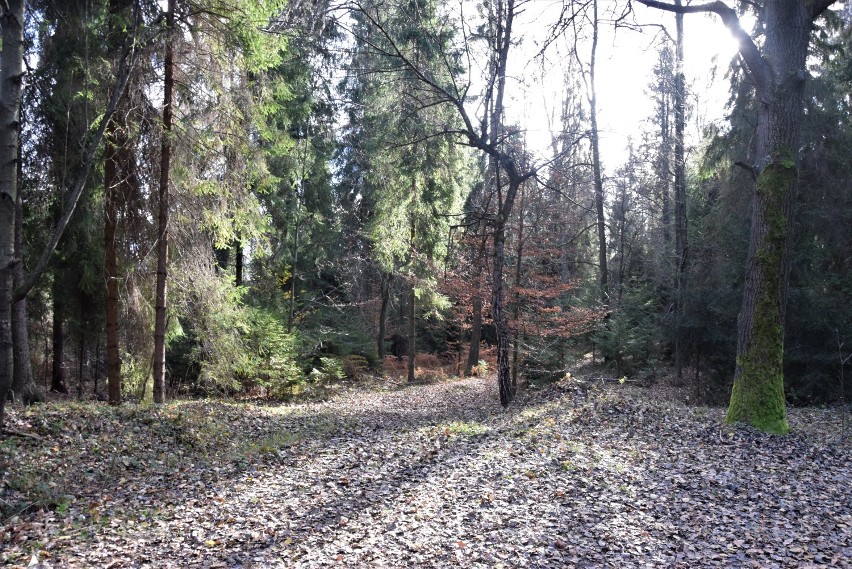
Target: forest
pixel 308 282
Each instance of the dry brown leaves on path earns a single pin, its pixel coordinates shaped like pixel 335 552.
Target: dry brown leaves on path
pixel 424 476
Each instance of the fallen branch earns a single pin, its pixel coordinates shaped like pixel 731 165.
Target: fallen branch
pixel 13 433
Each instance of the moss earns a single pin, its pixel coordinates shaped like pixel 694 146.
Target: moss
pixel 757 397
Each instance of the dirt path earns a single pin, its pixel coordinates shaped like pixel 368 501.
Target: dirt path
pixel 438 475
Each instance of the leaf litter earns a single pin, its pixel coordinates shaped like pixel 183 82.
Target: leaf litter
pixel 429 475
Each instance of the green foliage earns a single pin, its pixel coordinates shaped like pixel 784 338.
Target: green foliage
pixel 328 370
pixel 225 345
pixel 629 335
pixel 271 354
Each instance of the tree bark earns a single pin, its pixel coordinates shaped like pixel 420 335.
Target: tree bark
pixel 57 376
pixel 111 182
pixel 412 331
pixel 475 335
pixel 596 165
pixel 681 246
pixel 758 392
pixel 23 383
pixel 516 308
pixel 412 296
pixel 383 317
pixel 115 138
pixel 11 73
pixel 504 379
pixel 163 243
pixel 476 323
pixel 778 71
pixel 238 263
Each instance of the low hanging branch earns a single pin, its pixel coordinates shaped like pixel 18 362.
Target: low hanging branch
pixel 124 70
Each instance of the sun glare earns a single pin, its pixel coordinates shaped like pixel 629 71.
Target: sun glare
pixel 624 73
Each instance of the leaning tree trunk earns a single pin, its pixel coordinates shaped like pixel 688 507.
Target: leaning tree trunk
pixel 11 74
pixel 163 243
pixel 758 392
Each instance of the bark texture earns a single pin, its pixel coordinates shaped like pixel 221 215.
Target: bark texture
pixel 758 393
pixel 383 317
pixel 596 166
pixel 111 175
pixel 23 385
pixel 163 241
pixel 11 74
pixel 57 375
pixel 115 138
pixel 681 246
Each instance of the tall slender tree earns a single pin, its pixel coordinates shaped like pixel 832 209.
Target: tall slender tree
pixel 681 244
pixel 603 272
pixel 11 80
pixel 163 218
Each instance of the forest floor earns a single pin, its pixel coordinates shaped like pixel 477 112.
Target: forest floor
pixel 581 473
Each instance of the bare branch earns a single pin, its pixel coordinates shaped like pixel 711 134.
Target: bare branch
pixel 760 71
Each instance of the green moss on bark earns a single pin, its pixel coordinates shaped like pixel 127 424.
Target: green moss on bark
pixel 757 397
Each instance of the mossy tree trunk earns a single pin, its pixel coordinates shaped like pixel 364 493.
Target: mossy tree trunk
pixel 757 396
pixel 778 71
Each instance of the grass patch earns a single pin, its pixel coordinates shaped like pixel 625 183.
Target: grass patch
pixel 463 429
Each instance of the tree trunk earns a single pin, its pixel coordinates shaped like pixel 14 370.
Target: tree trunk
pixel 475 336
pixel 11 72
pixel 497 298
pixel 114 139
pixel 412 331
pixel 81 357
pixel 681 248
pixel 516 308
pixel 412 297
pixel 163 243
pixel 383 317
pixel 778 73
pixel 23 384
pixel 596 165
pixel 291 312
pixel 476 324
pixel 758 392
pixel 238 263
pixel 111 265
pixel 57 376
